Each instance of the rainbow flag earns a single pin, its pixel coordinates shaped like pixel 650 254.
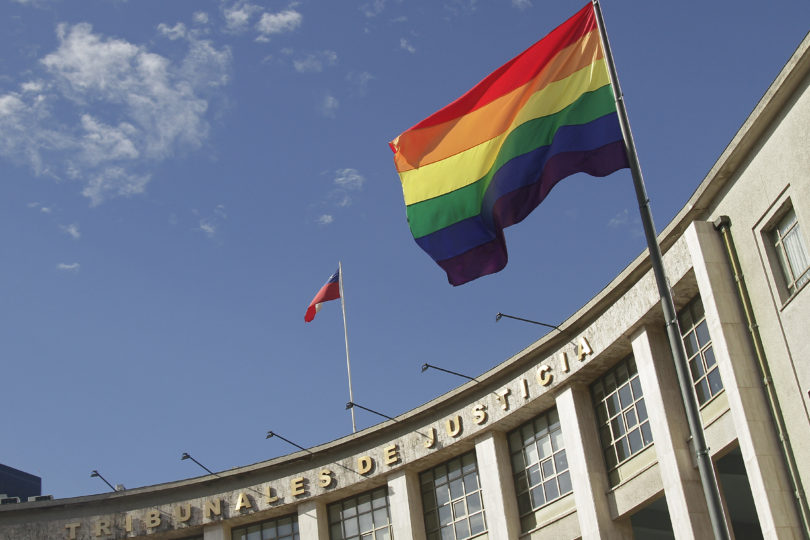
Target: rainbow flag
pixel 487 160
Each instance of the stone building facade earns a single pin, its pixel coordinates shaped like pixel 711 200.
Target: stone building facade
pixel 583 433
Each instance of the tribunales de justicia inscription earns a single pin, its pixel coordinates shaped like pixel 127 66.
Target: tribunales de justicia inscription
pixel 297 488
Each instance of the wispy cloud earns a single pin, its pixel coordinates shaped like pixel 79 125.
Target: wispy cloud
pixel 238 16
pixel 42 208
pixel 349 179
pixel 175 32
pixel 329 106
pixel 71 230
pixel 522 4
pixel 277 23
pixel 405 45
pixel 620 219
pixel 345 184
pixel 359 81
pixel 212 223
pixel 315 62
pixel 122 108
pixel 68 267
pixel 626 220
pixel 373 8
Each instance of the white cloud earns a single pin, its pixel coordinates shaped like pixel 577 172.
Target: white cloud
pixel 200 17
pixel 325 219
pixel 373 8
pixel 277 23
pixel 174 32
pixel 114 182
pixel 238 15
pixel 208 228
pixel 349 179
pixel 72 230
pixel 329 105
pixel 359 81
pixel 145 108
pixel 404 44
pixel 32 86
pixel 71 267
pixel 211 225
pixel 522 4
pixel 314 62
pixel 622 218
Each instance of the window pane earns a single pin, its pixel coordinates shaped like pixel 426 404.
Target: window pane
pixel 715 384
pixel 560 461
pixel 565 482
pixel 540 479
pixel 266 530
pixel 474 503
pixel 477 524
pixel 462 529
pixel 458 498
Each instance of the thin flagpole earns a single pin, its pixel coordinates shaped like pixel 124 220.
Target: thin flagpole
pixel 711 489
pixel 346 338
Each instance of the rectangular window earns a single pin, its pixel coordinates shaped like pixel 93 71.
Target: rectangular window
pixel 621 414
pixel 699 351
pixel 538 462
pixel 791 252
pixel 283 528
pixel 451 499
pixel 364 516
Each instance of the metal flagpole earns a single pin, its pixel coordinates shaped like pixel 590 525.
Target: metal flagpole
pixel 346 338
pixel 711 489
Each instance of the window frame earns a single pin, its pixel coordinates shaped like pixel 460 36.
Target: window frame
pixel 294 533
pixel 613 425
pixel 791 282
pixel 699 353
pixel 357 513
pixel 762 231
pixel 443 476
pixel 527 446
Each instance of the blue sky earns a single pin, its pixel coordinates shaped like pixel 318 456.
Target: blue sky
pixel 178 179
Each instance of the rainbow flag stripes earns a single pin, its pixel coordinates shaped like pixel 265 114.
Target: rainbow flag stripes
pixel 488 159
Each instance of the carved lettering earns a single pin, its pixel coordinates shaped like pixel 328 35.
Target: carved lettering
pixel 544 375
pixel 480 414
pixel 213 507
pixel 152 519
pixel 103 528
pixel 242 502
pixel 564 362
pixel 391 455
pixel 325 478
pixel 431 440
pixel 298 486
pixel 453 426
pixel 182 512
pixel 71 529
pixel 583 349
pixel 503 398
pixel 365 464
pixel 524 388
pixel 270 495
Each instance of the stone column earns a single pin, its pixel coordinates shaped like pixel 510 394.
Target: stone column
pixel 313 522
pixel 587 465
pixel 215 531
pixel 737 364
pixel 497 485
pixel 659 382
pixel 405 505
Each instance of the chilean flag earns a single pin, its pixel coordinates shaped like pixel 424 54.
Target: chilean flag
pixel 329 291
